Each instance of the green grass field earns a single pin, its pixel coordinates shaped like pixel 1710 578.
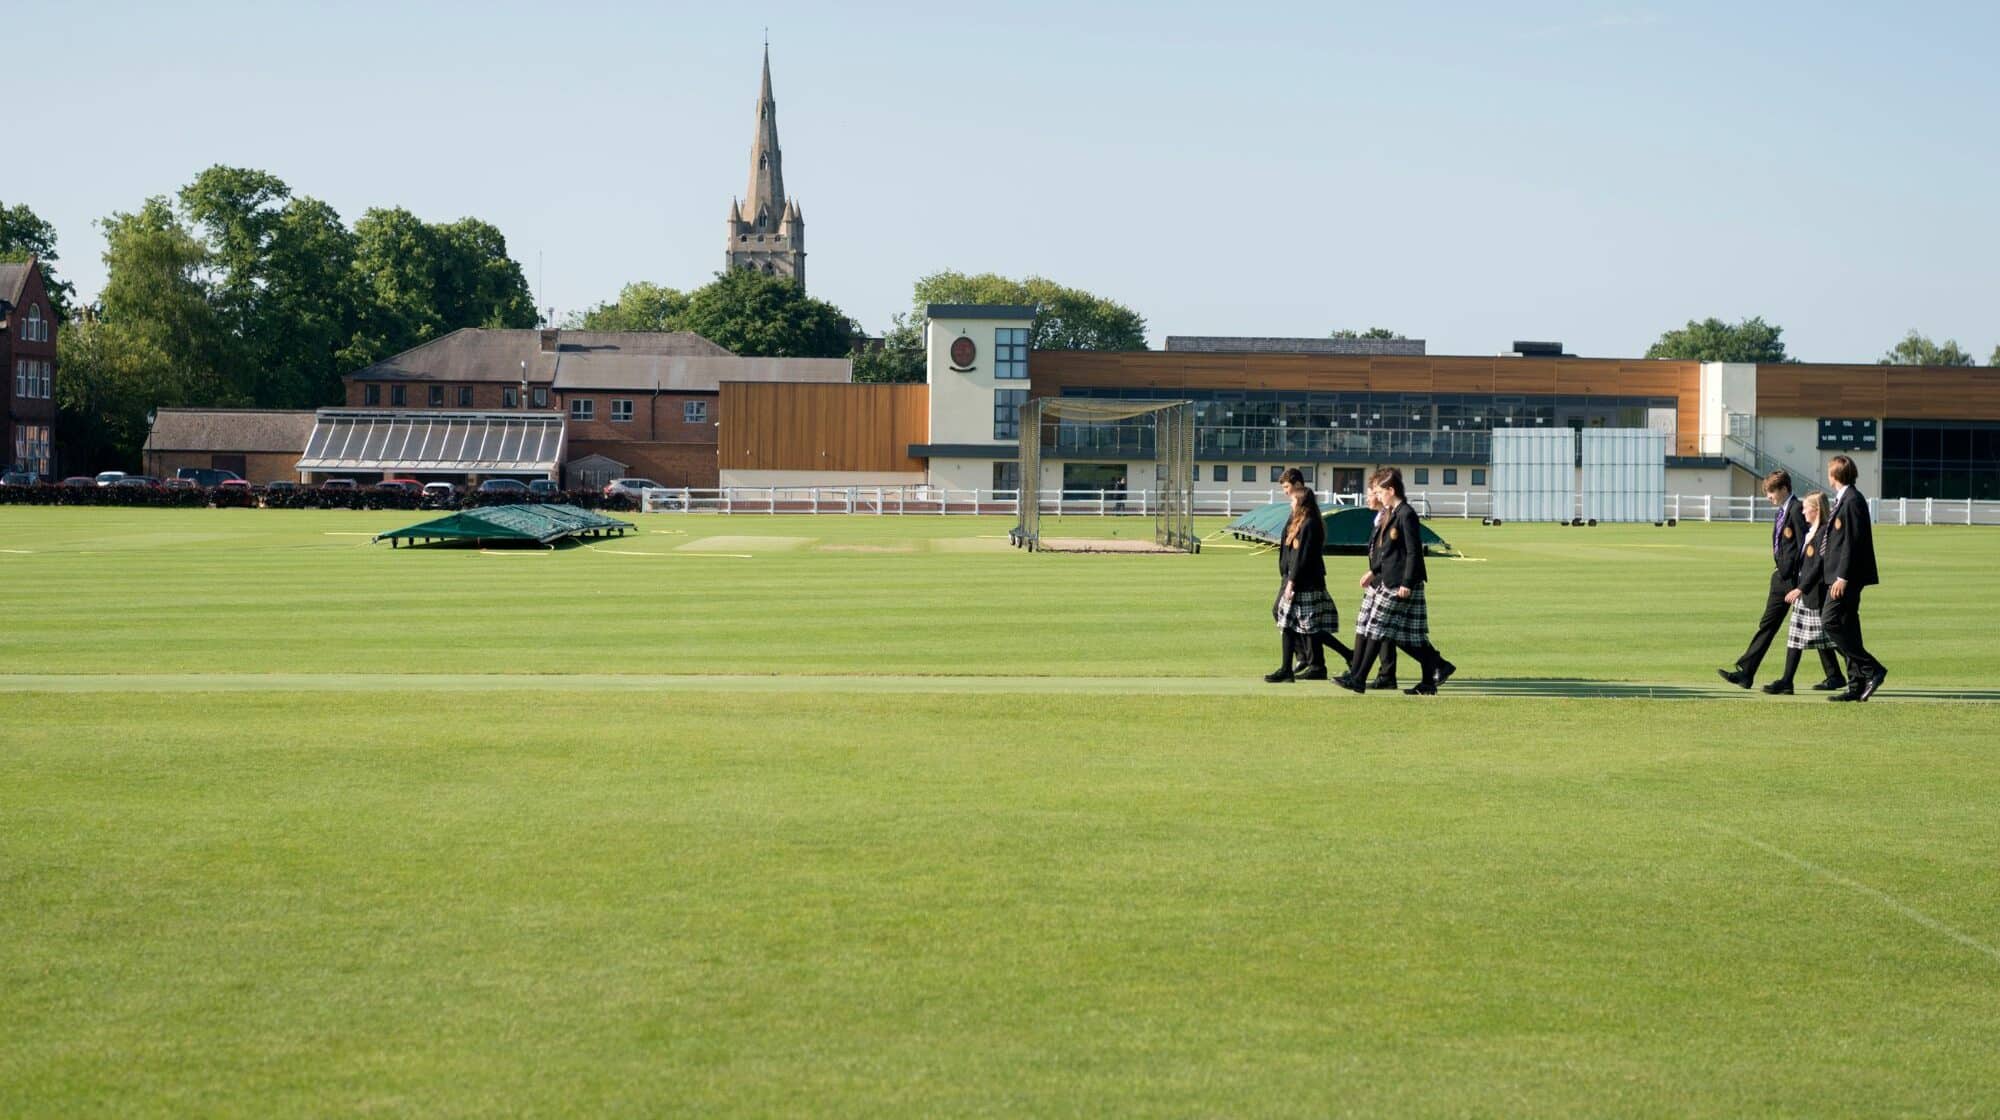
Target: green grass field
pixel 864 816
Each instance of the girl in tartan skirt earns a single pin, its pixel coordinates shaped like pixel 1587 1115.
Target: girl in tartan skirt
pixel 1307 620
pixel 1386 678
pixel 1808 599
pixel 1398 615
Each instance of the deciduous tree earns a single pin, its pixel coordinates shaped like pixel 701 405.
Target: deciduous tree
pixel 1917 350
pixel 1712 340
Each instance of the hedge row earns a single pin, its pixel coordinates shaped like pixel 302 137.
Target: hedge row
pixel 304 497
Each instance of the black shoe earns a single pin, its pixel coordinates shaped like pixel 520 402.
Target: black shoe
pixel 1735 676
pixel 1280 676
pixel 1383 683
pixel 1445 670
pixel 1424 688
pixel 1844 697
pixel 1311 673
pixel 1778 688
pixel 1868 689
pixel 1831 684
pixel 1350 684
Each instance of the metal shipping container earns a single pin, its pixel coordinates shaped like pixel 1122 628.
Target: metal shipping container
pixel 1534 474
pixel 1624 474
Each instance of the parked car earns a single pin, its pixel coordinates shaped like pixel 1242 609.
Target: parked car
pixel 545 486
pixel 440 490
pixel 401 485
pixel 179 484
pixel 17 478
pixel 634 488
pixel 145 480
pixel 279 485
pixel 338 484
pixel 79 481
pixel 109 478
pixel 503 486
pixel 235 484
pixel 206 477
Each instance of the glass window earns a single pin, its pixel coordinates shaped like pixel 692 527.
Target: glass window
pixel 1007 475
pixel 437 396
pixel 1010 353
pixel 1247 474
pixel 621 411
pixel 510 398
pixel 1221 474
pixel 1422 476
pixel 1277 473
pixel 541 398
pixel 1479 476
pixel 1007 412
pixel 694 412
pixel 1451 476
pixel 465 396
pixel 582 408
pixel 371 394
pixel 399 395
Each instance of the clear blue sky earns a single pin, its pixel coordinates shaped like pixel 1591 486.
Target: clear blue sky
pixel 1466 173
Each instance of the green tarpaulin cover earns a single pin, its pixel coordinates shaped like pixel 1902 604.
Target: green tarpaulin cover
pixel 1346 529
pixel 528 522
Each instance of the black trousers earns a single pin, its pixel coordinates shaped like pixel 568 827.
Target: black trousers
pixel 1843 624
pixel 1776 610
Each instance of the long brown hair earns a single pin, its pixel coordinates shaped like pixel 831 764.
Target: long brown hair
pixel 1308 502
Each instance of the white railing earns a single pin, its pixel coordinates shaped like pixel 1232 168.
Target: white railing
pixel 940 501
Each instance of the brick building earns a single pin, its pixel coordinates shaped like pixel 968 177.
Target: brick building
pixel 28 359
pixel 261 445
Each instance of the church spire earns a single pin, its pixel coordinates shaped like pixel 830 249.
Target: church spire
pixel 764 203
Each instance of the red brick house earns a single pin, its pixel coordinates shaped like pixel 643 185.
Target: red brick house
pixel 28 359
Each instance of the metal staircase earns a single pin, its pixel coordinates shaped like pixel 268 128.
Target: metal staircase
pixel 1742 453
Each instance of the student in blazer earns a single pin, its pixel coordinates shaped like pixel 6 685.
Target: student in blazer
pixel 1850 567
pixel 1396 570
pixel 1788 534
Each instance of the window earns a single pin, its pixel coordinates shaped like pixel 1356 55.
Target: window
pixel 509 398
pixel 1222 474
pixel 582 408
pixel 1422 476
pixel 371 394
pixel 1479 476
pixel 399 395
pixel 694 412
pixel 20 377
pixel 1010 353
pixel 48 380
pixel 541 398
pixel 1007 412
pixel 437 396
pixel 1247 474
pixel 1007 476
pixel 1277 473
pixel 34 328
pixel 621 411
pixel 1451 476
pixel 465 396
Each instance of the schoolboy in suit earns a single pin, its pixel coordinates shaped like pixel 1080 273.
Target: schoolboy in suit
pixel 1788 534
pixel 1850 566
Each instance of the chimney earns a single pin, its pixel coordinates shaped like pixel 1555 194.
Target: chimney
pixel 549 341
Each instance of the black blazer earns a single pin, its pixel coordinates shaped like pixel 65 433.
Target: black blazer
pixel 1396 551
pixel 1304 560
pixel 1789 554
pixel 1811 580
pixel 1850 542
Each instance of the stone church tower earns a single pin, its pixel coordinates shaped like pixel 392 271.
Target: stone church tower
pixel 767 232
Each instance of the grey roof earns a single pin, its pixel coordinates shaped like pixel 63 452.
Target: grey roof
pixel 977 311
pixel 451 442
pixel 229 430
pixel 13 278
pixel 640 373
pixel 478 354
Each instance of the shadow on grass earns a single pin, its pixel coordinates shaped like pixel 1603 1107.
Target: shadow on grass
pixel 1584 689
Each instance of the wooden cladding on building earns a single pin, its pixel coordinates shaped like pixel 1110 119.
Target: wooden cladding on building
pixel 1052 370
pixel 1891 392
pixel 796 426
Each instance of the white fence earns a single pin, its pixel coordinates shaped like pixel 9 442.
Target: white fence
pixel 938 501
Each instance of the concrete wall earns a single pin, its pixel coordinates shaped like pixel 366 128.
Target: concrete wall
pixel 1726 387
pixel 961 404
pixel 1794 440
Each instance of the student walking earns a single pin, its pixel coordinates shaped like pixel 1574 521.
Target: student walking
pixel 1850 566
pixel 1396 571
pixel 1807 630
pixel 1370 597
pixel 1788 530
pixel 1307 619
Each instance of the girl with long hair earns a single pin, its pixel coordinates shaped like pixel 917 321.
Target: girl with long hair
pixel 1396 572
pixel 1307 619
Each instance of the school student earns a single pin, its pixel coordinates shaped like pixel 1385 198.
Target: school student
pixel 1807 630
pixel 1850 566
pixel 1370 596
pixel 1788 530
pixel 1307 620
pixel 1396 570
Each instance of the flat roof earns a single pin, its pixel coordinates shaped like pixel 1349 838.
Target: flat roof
pixel 977 311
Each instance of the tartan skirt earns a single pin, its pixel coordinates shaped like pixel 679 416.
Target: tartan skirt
pixel 1808 630
pixel 1306 612
pixel 1405 621
pixel 1370 599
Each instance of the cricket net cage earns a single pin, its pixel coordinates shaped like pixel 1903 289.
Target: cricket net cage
pixel 1172 499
